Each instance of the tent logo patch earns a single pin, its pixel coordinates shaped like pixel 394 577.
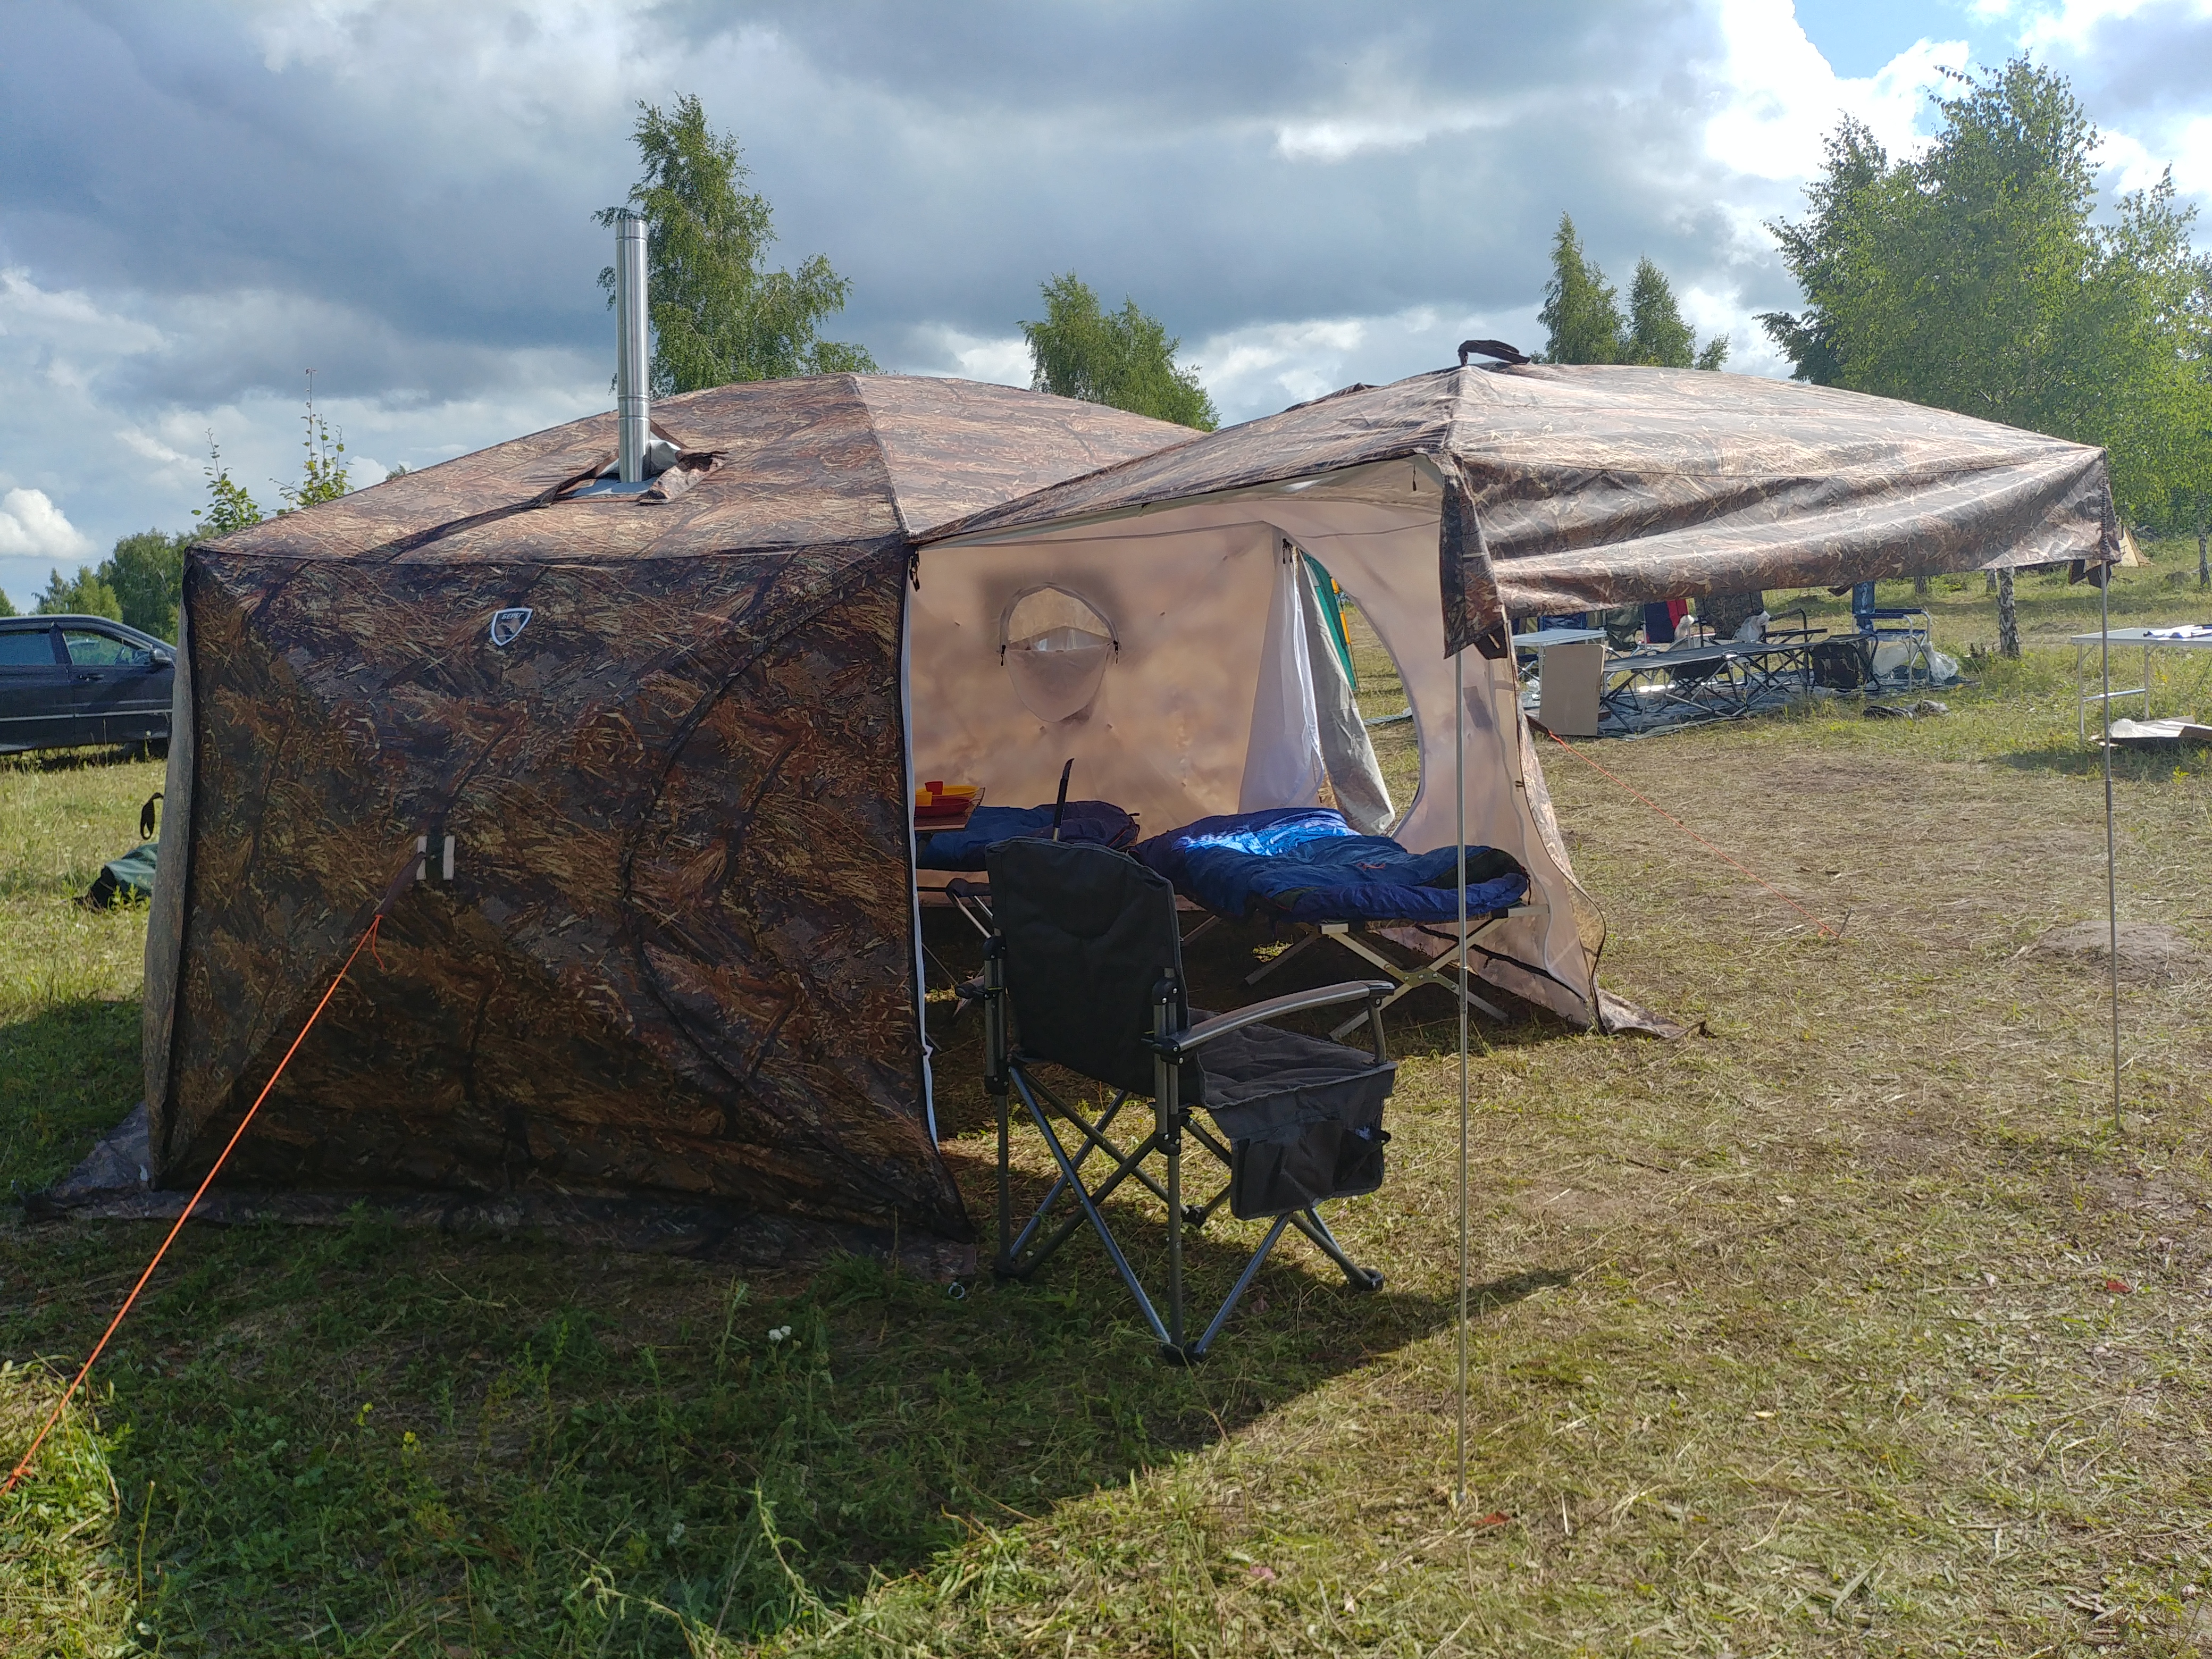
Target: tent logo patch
pixel 507 624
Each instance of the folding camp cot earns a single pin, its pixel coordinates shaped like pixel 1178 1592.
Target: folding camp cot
pixel 1438 954
pixel 1726 679
pixel 1083 969
pixel 1307 865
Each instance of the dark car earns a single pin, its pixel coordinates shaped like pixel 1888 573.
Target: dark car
pixel 65 681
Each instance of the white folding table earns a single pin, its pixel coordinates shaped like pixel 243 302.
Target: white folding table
pixel 2184 636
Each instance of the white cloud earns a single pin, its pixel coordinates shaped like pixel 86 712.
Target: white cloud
pixel 1309 196
pixel 1268 366
pixel 2192 156
pixel 2137 65
pixel 160 375
pixel 2183 145
pixel 67 313
pixel 57 340
pixel 944 349
pixel 149 448
pixel 31 526
pixel 1338 138
pixel 1781 98
pixel 1265 367
pixel 1381 106
pixel 2071 23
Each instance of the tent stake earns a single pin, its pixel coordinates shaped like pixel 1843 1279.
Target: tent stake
pixel 1459 748
pixel 2111 855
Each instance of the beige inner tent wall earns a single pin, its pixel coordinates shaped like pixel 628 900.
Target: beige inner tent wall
pixel 1188 587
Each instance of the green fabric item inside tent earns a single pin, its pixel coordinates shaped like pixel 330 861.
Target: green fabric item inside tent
pixel 1333 611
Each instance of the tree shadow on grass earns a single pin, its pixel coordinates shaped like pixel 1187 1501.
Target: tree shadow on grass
pixel 359 1430
pixel 67 1072
pixel 2153 764
pixel 92 755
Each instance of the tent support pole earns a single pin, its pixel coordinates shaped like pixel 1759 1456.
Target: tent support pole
pixel 2112 852
pixel 1459 751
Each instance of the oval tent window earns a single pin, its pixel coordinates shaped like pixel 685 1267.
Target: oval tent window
pixel 1056 645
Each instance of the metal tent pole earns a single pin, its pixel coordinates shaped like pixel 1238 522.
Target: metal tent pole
pixel 2111 855
pixel 1459 751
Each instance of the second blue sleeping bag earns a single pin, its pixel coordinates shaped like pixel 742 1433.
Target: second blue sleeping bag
pixel 1307 864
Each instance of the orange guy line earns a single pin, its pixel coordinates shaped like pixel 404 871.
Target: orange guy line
pixel 16 1474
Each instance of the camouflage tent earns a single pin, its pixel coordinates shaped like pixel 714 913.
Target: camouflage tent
pixel 674 735
pixel 676 959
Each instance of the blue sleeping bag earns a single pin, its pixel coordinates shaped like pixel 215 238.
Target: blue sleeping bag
pixel 1099 822
pixel 1306 864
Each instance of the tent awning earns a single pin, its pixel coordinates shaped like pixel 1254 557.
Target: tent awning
pixel 1601 486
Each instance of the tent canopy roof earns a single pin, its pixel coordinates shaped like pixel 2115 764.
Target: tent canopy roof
pixel 838 458
pixel 1601 485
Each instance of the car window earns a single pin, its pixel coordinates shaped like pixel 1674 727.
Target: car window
pixel 22 648
pixel 89 650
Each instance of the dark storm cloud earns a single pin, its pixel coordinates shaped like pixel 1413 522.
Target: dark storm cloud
pixel 1227 164
pixel 946 158
pixel 152 146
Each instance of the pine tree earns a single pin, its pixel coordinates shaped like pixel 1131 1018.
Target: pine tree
pixel 1583 324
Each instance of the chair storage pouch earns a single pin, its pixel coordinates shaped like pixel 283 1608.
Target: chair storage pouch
pixel 1303 1118
pixel 1328 1159
pixel 1842 665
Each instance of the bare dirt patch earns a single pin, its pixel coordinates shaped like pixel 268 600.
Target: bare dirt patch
pixel 2147 949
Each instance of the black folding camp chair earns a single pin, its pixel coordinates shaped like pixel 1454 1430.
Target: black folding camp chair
pixel 1083 970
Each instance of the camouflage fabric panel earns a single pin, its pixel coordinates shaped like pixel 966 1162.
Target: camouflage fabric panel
pixel 951 447
pixel 676 957
pixel 796 463
pixel 1598 486
pixel 1473 610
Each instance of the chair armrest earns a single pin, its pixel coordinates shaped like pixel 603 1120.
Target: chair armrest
pixel 1178 1043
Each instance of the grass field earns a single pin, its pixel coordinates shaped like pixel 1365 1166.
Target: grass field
pixel 1849 1326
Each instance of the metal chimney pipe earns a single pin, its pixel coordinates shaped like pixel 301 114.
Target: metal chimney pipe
pixel 633 348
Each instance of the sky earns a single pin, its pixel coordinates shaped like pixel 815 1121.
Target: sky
pixel 201 203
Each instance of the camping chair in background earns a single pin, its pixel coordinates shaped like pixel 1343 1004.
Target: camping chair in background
pixel 1803 633
pixel 1083 970
pixel 1917 624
